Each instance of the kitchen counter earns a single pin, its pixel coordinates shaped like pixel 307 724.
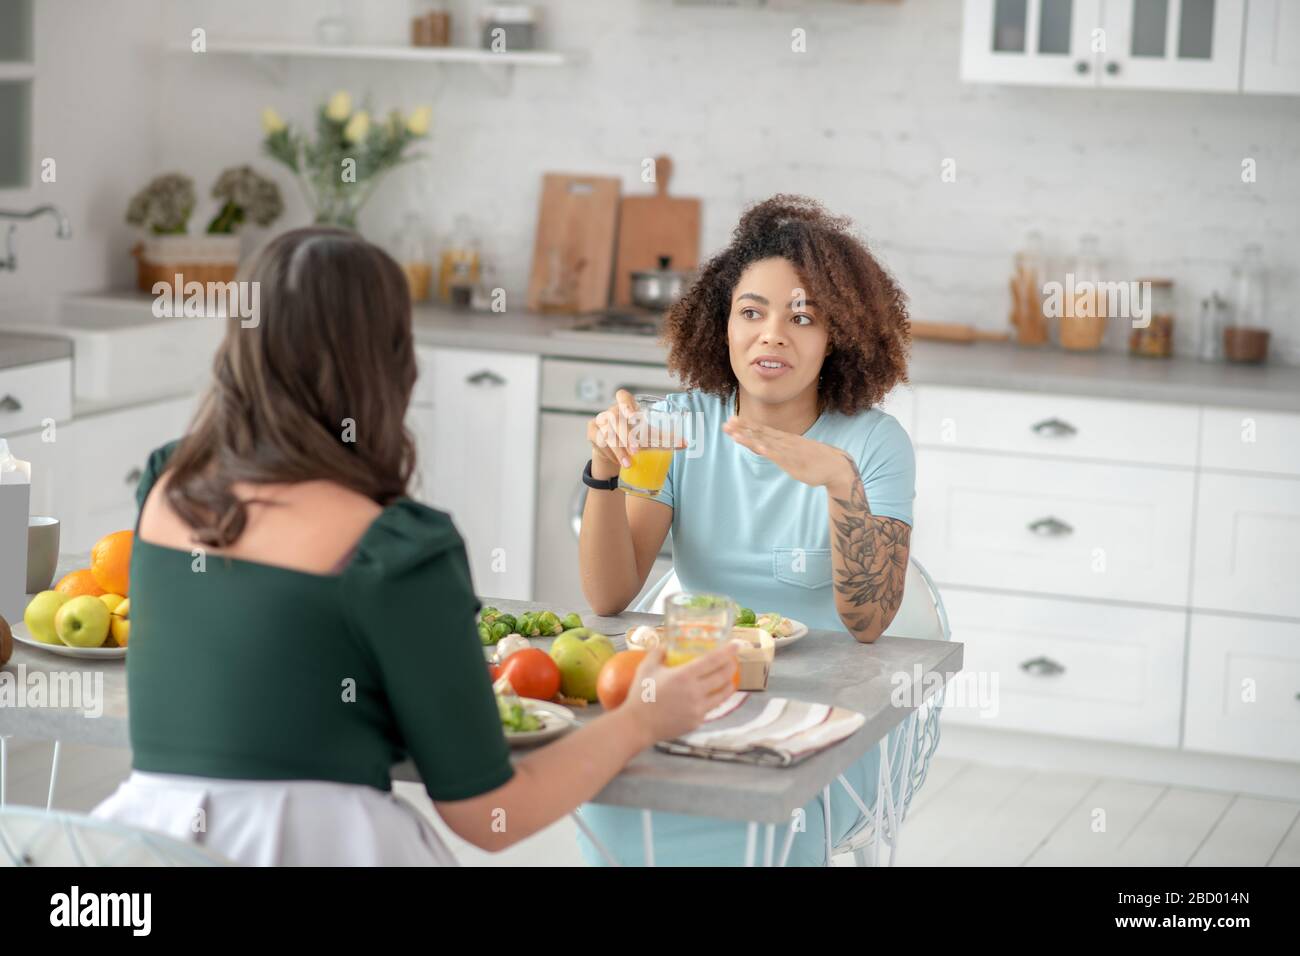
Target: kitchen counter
pixel 824 667
pixel 982 365
pixel 18 348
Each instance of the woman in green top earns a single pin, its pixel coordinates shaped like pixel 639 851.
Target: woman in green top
pixel 299 626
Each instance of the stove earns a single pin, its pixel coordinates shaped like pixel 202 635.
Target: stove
pixel 619 324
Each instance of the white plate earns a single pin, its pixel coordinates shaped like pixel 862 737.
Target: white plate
pixel 24 636
pixel 556 720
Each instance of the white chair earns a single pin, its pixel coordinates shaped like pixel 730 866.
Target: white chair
pixel 34 837
pixel 904 759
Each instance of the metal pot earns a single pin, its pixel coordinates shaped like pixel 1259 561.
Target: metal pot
pixel 659 288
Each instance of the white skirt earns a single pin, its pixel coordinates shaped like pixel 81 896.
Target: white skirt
pixel 279 822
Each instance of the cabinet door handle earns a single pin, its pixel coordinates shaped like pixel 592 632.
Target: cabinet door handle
pixel 10 404
pixel 1050 527
pixel 1053 428
pixel 1081 67
pixel 1112 68
pixel 485 377
pixel 1042 667
pixel 133 476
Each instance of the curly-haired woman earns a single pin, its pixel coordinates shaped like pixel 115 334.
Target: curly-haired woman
pixel 797 493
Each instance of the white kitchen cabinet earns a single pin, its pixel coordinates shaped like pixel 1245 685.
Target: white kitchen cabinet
pixel 1110 44
pixel 1243 439
pixel 481 461
pixel 33 394
pixel 1243 687
pixel 1057 426
pixel 1272 48
pixel 1173 44
pixel 1247 544
pixel 1119 532
pixel 1068 667
pixel 1046 42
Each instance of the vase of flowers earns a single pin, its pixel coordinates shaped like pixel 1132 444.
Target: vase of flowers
pixel 339 169
pixel 164 207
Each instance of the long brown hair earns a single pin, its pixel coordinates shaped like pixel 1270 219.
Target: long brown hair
pixel 331 345
pixel 870 332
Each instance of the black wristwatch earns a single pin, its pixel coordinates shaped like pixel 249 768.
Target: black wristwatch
pixel 604 484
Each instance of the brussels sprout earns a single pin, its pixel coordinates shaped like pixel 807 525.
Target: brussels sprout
pixel 548 624
pixel 571 621
pixel 526 624
pixel 746 617
pixel 499 630
pixel 488 615
pixel 485 633
pixel 508 620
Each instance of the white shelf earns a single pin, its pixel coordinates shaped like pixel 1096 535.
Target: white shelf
pixel 16 71
pixel 412 54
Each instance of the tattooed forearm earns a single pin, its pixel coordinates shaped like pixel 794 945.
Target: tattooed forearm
pixel 870 561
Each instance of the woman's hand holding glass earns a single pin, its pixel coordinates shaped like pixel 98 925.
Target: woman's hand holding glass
pixel 668 702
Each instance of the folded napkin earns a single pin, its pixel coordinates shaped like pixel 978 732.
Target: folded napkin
pixel 781 734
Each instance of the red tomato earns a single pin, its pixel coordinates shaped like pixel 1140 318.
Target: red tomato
pixel 532 673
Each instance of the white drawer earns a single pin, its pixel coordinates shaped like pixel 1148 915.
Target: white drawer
pixel 29 394
pixel 1239 439
pixel 1057 425
pixel 1243 687
pixel 1068 667
pixel 1247 544
pixel 1079 529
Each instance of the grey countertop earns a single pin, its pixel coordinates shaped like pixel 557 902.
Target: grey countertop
pixel 1272 387
pixel 824 667
pixel 20 348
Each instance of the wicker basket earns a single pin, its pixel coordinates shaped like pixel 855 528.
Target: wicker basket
pixel 194 258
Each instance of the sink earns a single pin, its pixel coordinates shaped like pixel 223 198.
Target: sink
pixel 122 353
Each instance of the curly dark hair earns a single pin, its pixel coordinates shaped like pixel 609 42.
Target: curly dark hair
pixel 869 333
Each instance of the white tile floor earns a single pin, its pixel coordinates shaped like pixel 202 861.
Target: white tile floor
pixel 967 813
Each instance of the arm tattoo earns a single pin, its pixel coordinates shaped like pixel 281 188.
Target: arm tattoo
pixel 873 559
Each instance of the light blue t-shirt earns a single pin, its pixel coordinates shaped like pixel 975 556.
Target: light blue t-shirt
pixel 744 528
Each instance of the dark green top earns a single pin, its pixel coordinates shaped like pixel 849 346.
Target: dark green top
pixel 249 671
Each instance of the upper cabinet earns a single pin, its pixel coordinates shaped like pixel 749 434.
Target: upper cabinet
pixel 1272 59
pixel 1203 45
pixel 1044 42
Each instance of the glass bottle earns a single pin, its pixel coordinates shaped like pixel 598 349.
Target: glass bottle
pixel 1028 321
pixel 411 250
pixel 1245 338
pixel 1082 327
pixel 458 266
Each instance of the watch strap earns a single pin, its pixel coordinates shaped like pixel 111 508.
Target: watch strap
pixel 603 484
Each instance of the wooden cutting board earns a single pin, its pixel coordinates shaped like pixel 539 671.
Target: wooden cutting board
pixel 576 224
pixel 653 226
pixel 955 332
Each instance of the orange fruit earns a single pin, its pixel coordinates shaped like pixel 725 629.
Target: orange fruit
pixel 616 676
pixel 110 561
pixel 79 582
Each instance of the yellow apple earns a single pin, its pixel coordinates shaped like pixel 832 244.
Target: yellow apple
pixel 39 616
pixel 120 625
pixel 82 622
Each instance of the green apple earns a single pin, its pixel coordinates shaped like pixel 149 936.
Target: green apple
pixel 580 653
pixel 39 616
pixel 83 622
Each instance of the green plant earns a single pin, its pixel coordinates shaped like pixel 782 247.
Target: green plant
pixel 245 196
pixel 164 206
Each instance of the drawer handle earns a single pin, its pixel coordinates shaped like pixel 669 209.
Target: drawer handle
pixel 1053 428
pixel 485 377
pixel 10 404
pixel 1050 528
pixel 133 476
pixel 1042 667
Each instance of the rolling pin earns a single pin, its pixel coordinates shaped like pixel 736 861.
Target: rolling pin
pixel 955 332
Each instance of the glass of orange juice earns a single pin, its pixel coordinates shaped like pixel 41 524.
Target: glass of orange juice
pixel 695 624
pixel 657 429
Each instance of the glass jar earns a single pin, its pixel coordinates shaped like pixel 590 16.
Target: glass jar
pixel 1082 327
pixel 458 266
pixel 411 250
pixel 1209 344
pixel 1245 338
pixel 431 24
pixel 1156 338
pixel 1028 320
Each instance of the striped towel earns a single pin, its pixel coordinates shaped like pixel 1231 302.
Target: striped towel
pixel 782 733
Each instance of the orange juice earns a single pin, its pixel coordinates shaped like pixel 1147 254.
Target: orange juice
pixel 648 470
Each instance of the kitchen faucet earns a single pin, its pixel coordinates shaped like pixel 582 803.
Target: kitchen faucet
pixel 62 229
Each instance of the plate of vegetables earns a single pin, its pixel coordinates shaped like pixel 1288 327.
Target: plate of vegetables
pixel 528 722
